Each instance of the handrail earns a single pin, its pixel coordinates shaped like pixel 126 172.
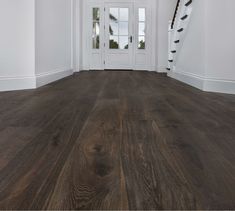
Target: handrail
pixel 175 14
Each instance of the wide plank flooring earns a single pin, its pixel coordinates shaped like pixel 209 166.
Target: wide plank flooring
pixel 117 141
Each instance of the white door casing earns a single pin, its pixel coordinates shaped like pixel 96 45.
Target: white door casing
pixel 102 57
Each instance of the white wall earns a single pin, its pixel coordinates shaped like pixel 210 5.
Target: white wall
pixel 36 39
pixel 220 46
pixel 165 13
pixel 78 9
pixel 54 40
pixel 206 59
pixel 191 55
pixel 17 46
pixel 220 39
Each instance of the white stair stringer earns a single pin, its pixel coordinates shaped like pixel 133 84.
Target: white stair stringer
pixel 177 33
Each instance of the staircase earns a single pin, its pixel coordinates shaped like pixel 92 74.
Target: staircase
pixel 177 28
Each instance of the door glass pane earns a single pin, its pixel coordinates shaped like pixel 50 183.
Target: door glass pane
pixel 124 14
pixel 123 28
pixel 141 43
pixel 96 28
pixel 119 28
pixel 113 42
pixel 96 42
pixel 114 14
pixel 113 28
pixel 123 42
pixel 96 14
pixel 141 14
pixel 142 29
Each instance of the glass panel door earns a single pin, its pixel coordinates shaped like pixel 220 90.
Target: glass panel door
pixel 118 28
pixel 118 36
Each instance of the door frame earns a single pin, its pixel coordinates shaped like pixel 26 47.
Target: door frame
pixel 98 55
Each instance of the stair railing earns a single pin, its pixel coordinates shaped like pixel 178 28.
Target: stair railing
pixel 175 13
pixel 176 30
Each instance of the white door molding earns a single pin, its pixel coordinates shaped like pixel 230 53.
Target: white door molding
pixel 142 59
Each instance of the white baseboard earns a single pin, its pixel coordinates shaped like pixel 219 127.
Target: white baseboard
pixel 190 79
pixel 76 70
pixel 49 77
pixel 221 86
pixel 17 83
pixel 32 82
pixel 205 84
pixel 161 70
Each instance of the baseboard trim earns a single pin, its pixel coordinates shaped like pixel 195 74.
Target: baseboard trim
pixel 220 86
pixel 162 69
pixel 77 70
pixel 205 84
pixel 32 82
pixel 190 79
pixel 17 83
pixel 49 77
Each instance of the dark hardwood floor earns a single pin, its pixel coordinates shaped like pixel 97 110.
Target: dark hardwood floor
pixel 117 141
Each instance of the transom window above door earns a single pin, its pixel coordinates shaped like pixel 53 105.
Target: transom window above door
pixel 119 28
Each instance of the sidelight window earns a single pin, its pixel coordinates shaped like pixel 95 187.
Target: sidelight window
pixel 142 28
pixel 96 28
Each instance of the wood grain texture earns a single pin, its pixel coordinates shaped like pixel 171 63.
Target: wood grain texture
pixel 117 141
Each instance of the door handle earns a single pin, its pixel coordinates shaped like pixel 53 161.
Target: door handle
pixel 131 39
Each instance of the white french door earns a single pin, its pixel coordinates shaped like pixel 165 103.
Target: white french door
pixel 118 36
